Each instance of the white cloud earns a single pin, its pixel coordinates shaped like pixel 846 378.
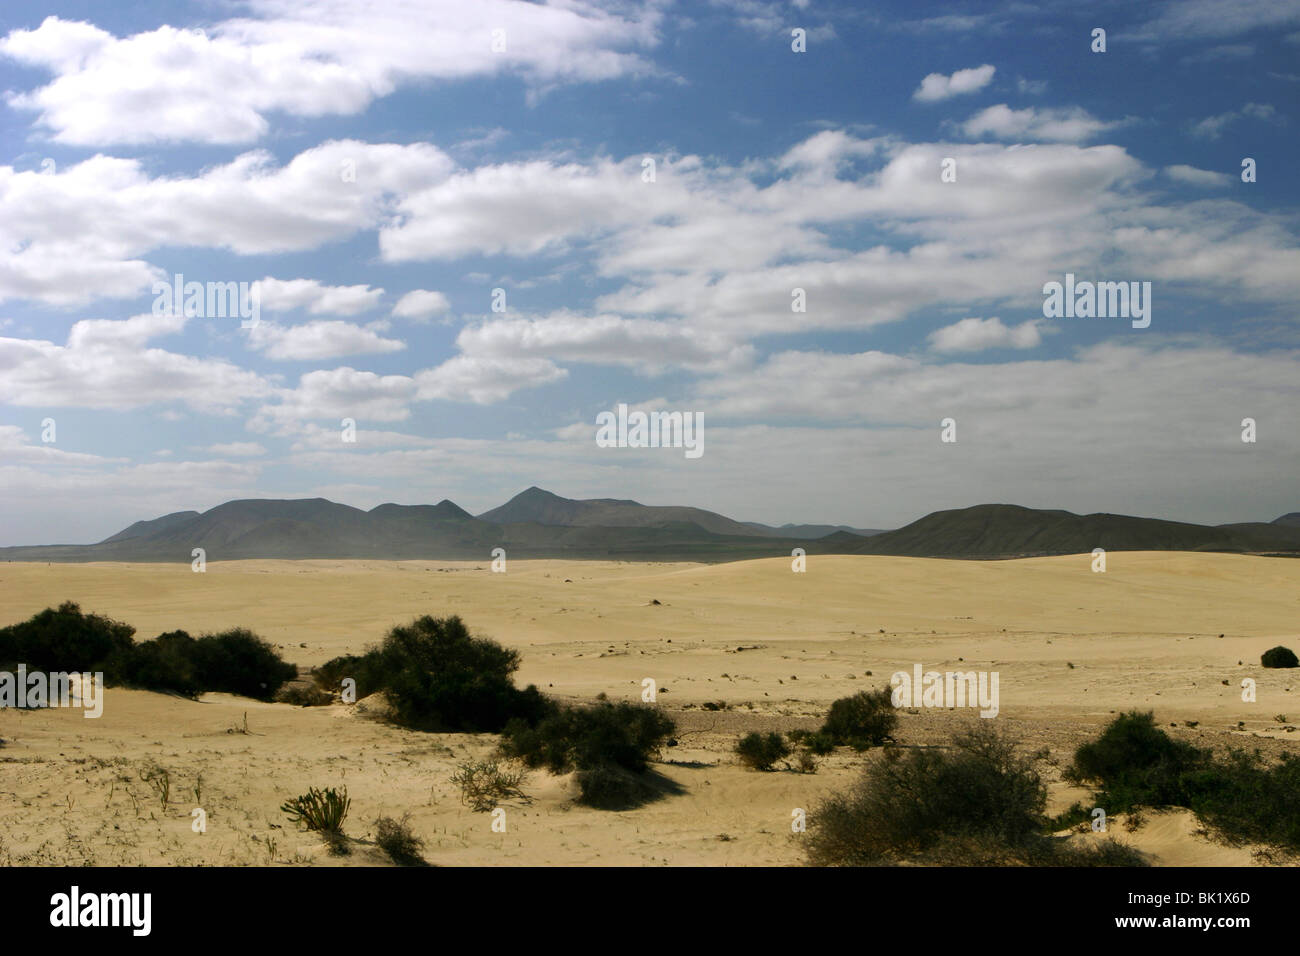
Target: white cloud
pixel 1197 177
pixel 286 295
pixel 320 339
pixel 977 335
pixel 485 380
pixel 77 234
pixel 311 58
pixel 644 344
pixel 937 86
pixel 1065 125
pixel 337 394
pixel 1214 18
pixel 107 364
pixel 1212 127
pixel 421 305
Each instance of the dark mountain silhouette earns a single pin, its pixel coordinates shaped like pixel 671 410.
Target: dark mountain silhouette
pixel 537 523
pixel 999 531
pixel 543 507
pixel 1292 519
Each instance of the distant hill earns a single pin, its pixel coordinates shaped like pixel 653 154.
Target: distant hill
pixel 810 530
pixel 1292 519
pixel 543 507
pixel 1000 531
pixel 537 523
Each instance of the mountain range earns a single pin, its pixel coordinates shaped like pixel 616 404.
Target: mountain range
pixel 536 524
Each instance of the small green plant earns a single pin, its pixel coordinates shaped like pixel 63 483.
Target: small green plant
pixel 761 751
pixel 396 838
pixel 483 784
pixel 320 810
pixel 1279 657
pixel 159 781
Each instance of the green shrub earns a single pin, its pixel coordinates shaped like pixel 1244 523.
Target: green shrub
pixel 610 787
pixel 1135 763
pixel 168 662
pixel 609 745
pixel 320 810
pixel 864 720
pixel 437 677
pixel 237 661
pixel 365 669
pixel 65 639
pixel 1279 657
pixel 761 751
pixel 396 838
pixel 908 805
pixel 624 734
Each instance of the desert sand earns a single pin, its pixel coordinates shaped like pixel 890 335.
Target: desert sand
pixel 1170 632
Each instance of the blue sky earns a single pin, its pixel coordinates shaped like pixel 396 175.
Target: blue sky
pixel 136 147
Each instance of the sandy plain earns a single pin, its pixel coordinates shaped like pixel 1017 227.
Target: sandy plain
pixel 1165 631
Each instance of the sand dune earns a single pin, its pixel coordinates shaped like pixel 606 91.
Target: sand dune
pixel 775 645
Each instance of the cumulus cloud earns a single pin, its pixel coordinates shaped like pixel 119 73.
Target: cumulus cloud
pixel 337 394
pixel 1063 125
pixel 421 305
pixel 78 234
pixel 312 58
pixel 286 295
pixel 484 380
pixel 977 335
pixel 109 364
pixel 937 86
pixel 320 340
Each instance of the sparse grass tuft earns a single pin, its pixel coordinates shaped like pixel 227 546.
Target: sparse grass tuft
pixel 483 784
pixel 396 838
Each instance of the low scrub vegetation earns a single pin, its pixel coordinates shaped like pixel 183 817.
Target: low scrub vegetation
pixel 815 742
pixel 483 784
pixel 761 751
pixel 866 719
pixel 322 811
pixel 65 638
pixel 1279 657
pixel 398 840
pixel 1134 763
pixel 978 803
pixel 304 695
pixel 610 745
pixel 438 677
